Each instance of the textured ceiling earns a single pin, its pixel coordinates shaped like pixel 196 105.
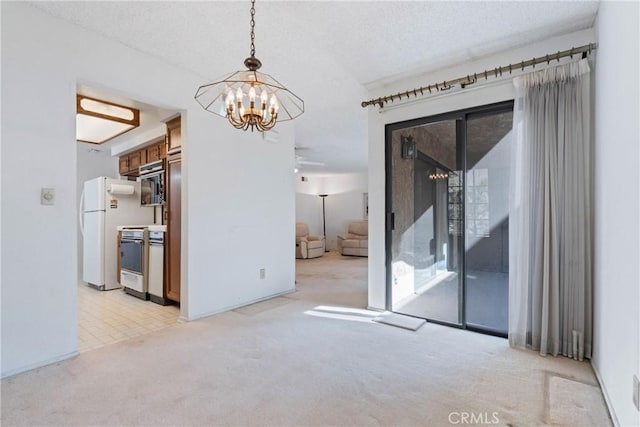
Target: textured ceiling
pixel 328 53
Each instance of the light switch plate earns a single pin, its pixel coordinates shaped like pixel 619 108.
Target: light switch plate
pixel 263 273
pixel 636 392
pixel 47 196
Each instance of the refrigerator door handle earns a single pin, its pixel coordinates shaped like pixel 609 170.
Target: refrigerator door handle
pixel 81 213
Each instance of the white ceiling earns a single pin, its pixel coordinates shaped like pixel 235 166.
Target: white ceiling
pixel 327 52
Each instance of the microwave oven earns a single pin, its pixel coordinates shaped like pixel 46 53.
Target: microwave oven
pixel 152 184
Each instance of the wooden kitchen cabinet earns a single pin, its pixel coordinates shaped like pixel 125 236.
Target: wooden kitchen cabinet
pixel 174 224
pixel 136 160
pixel 157 151
pixel 129 164
pixel 123 165
pixel 174 135
pixel 162 150
pixel 152 154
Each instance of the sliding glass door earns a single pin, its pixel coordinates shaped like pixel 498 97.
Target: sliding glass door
pixel 447 218
pixel 487 221
pixel 426 241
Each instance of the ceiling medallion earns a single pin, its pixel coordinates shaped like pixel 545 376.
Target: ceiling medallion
pixel 268 100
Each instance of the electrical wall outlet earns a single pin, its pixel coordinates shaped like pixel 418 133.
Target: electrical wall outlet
pixel 47 196
pixel 263 273
pixel 636 392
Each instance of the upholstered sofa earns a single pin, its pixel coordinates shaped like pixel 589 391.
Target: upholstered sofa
pixel 308 246
pixel 356 241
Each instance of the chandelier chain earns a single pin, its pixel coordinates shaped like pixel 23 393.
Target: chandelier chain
pixel 253 24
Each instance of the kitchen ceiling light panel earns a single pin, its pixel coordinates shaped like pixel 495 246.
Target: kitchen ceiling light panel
pixel 99 121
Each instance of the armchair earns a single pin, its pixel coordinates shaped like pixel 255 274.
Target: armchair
pixel 356 241
pixel 308 246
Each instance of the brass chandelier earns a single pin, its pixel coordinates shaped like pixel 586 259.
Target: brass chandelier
pixel 268 100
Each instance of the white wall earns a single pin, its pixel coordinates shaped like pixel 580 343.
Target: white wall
pixel 309 211
pixel 616 354
pixel 471 97
pixel 234 222
pixel 343 204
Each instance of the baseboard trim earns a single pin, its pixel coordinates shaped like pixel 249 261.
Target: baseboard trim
pixel 375 309
pixel 36 365
pixel 607 400
pixel 233 307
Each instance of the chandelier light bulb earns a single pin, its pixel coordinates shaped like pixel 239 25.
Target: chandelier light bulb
pixel 239 94
pixel 252 95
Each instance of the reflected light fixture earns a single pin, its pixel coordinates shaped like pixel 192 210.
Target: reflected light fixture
pixel 409 149
pixel 438 176
pixel 250 99
pixel 99 121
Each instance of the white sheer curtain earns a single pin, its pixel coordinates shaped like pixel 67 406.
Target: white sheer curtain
pixel 550 281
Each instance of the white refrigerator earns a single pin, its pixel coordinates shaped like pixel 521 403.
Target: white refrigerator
pixel 106 204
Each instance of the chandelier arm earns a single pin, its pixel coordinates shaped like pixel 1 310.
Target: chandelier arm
pixel 268 125
pixel 265 127
pixel 234 122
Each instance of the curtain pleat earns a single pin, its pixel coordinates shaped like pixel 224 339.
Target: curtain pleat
pixel 550 285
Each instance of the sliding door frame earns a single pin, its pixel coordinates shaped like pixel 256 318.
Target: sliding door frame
pixel 461 117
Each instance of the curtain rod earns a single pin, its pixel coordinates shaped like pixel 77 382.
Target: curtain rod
pixel 470 79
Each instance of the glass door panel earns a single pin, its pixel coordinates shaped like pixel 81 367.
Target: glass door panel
pixel 487 221
pixel 427 205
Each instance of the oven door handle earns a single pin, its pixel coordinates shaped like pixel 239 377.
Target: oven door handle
pixel 140 242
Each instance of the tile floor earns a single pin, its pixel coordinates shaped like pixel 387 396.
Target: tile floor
pixel 106 317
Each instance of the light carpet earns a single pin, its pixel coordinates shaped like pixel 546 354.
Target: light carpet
pixel 283 367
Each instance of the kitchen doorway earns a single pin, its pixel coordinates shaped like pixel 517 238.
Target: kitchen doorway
pixel 447 217
pixel 125 236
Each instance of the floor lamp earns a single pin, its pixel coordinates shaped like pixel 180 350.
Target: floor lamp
pixel 324 223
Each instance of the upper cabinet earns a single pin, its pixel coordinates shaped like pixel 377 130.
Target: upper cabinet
pixel 123 165
pixel 137 159
pixel 157 151
pixel 174 135
pixel 129 164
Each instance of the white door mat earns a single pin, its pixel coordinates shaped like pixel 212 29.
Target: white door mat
pixel 400 320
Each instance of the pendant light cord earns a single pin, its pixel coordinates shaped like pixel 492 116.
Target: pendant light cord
pixel 253 24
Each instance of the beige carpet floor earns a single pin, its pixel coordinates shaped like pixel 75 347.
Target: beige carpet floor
pixel 311 358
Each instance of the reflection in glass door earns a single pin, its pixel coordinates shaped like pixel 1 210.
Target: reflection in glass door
pixel 426 242
pixel 447 218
